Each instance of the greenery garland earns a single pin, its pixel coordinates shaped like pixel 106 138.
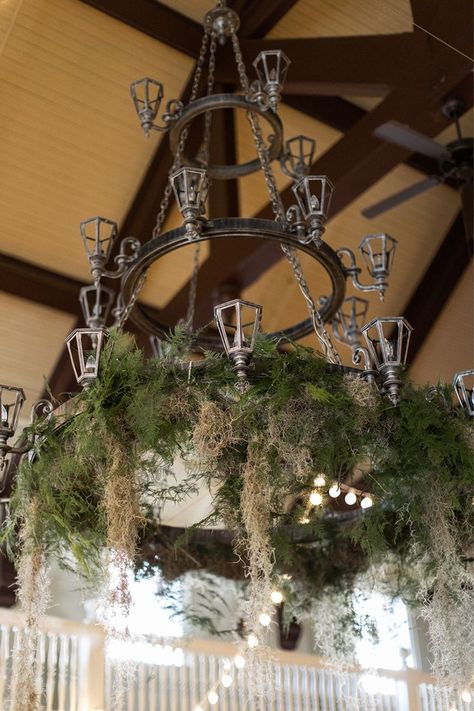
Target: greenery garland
pixel 101 470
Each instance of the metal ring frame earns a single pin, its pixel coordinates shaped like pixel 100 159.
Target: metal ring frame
pixel 235 228
pixel 227 101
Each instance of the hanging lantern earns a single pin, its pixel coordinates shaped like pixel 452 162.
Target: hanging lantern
pixel 190 186
pixel 147 95
pixel 299 156
pixel 271 67
pixel 11 403
pixel 96 302
pixel 85 346
pixel 238 323
pixel 156 346
pixel 463 384
pixel 378 252
pixel 388 340
pixel 98 235
pixel 350 319
pixel 313 194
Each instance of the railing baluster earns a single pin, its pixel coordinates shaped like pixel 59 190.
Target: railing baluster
pixel 51 666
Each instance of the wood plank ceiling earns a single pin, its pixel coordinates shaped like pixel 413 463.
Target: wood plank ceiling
pixel 72 148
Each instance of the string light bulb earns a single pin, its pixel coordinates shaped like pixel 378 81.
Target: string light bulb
pixel 304 519
pixel 198 708
pixel 276 597
pixel 466 696
pixel 350 498
pixel 212 697
pixel 264 619
pixel 239 661
pixel 252 640
pixel 315 498
pixel 366 502
pixel 226 680
pixel 334 491
pixel 320 480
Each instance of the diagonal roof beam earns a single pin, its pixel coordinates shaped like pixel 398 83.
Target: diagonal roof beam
pixel 156 20
pixel 257 19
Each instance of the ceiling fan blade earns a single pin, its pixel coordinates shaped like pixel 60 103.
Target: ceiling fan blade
pixel 402 196
pixel 406 137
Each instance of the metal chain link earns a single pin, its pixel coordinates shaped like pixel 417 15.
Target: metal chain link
pixel 279 211
pixel 160 218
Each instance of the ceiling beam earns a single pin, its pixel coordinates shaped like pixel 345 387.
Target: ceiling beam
pixel 257 19
pixel 438 283
pixel 156 20
pixel 358 65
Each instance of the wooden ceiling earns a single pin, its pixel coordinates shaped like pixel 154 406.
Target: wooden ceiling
pixel 72 148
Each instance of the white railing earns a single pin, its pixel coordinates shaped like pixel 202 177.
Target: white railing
pixel 78 674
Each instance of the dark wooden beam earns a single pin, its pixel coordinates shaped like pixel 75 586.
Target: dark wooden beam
pixel 29 281
pixel 334 65
pixel 438 283
pixel 156 20
pixel 258 18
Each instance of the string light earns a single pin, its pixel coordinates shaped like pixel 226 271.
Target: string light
pixel 252 640
pixel 315 498
pixel 226 680
pixel 213 697
pixel 320 480
pixel 334 491
pixel 264 619
pixel 276 597
pixel 366 502
pixel 304 519
pixel 286 576
pixel 198 708
pixel 466 696
pixel 350 498
pixel 239 661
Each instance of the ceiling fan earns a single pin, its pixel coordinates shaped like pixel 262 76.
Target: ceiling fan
pixel 455 162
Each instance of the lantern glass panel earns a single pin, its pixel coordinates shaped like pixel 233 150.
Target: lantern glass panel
pixel 352 314
pixel 272 66
pixel 85 346
pixel 388 341
pixel 300 153
pixel 313 193
pixel 147 95
pixel 238 322
pixel 11 402
pixel 96 302
pixel 463 384
pixel 378 252
pixel 190 186
pixel 99 235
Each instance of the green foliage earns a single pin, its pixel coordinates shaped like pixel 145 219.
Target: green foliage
pixel 302 416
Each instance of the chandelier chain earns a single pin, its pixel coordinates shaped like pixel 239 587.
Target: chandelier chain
pixel 279 212
pixel 204 159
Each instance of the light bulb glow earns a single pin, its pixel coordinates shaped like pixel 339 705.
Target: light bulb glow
pixel 366 502
pixel 334 491
pixel 350 498
pixel 198 708
pixel 264 619
pixel 319 480
pixel 315 498
pixel 226 680
pixel 213 698
pixel 252 640
pixel 239 661
pixel 276 597
pixel 466 696
pixel 304 519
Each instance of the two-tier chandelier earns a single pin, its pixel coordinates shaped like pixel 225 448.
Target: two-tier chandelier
pixel 382 344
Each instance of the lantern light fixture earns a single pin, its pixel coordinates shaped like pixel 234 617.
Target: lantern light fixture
pixel 238 323
pixel 190 187
pixel 298 158
pixel 349 320
pixel 85 347
pixel 387 340
pixel 96 302
pixel 463 384
pixel 313 195
pixel 99 235
pixel 271 67
pixel 11 404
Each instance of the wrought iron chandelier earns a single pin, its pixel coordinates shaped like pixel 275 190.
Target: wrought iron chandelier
pixel 382 344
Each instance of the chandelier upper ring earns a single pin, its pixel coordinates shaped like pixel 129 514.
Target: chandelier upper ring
pixel 215 102
pixel 235 228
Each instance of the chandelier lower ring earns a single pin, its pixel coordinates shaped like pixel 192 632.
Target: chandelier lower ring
pixel 234 228
pixel 227 101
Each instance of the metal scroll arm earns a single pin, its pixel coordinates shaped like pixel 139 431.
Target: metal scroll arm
pixel 353 271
